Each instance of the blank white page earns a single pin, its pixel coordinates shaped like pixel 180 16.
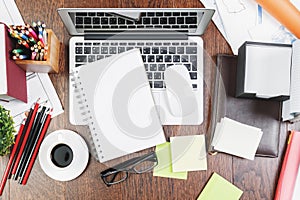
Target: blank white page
pixel 238 139
pixel 268 70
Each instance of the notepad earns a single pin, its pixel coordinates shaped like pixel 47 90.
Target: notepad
pixel 116 102
pixel 188 153
pixel 164 167
pixel 236 138
pixel 219 188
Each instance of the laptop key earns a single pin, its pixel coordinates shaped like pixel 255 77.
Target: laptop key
pixel 159 58
pixel 149 75
pixel 112 50
pixel 79 20
pixel 191 50
pixel 112 20
pixel 188 66
pixel 155 20
pixel 172 50
pixel 176 58
pixel 87 20
pixel 146 50
pixel 95 50
pixel 180 20
pixel 180 50
pixel 172 20
pixel 146 67
pixel 158 84
pixel 146 20
pixel 104 20
pixel 104 50
pixel 193 75
pixel 191 20
pixel 144 58
pixel 81 14
pixel 121 21
pixel 81 58
pixel 184 58
pixel 153 67
pixel 91 58
pixel 157 75
pixel 78 50
pixel 151 58
pixel 155 50
pixel 168 58
pixel 91 14
pixel 96 20
pixel 121 49
pixel 99 57
pixel 163 20
pixel 163 50
pixel 87 50
pixel 161 67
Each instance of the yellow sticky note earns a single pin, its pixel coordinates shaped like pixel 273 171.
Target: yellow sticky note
pixel 188 153
pixel 219 188
pixel 164 167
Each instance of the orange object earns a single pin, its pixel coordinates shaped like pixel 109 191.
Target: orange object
pixel 285 12
pixel 289 169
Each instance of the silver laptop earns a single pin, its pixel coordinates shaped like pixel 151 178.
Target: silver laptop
pixel 165 37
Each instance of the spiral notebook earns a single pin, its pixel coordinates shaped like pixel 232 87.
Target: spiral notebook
pixel 116 102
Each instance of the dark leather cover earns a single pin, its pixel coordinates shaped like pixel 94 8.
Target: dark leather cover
pixel 260 113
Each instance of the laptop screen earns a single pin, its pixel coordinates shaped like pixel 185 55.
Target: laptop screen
pixel 191 21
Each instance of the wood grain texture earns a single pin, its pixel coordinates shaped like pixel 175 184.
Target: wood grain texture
pixel 256 178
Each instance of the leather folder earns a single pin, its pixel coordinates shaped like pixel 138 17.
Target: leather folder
pixel 260 113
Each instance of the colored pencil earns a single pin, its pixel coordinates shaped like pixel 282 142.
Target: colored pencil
pixel 29 144
pixel 36 149
pixel 36 106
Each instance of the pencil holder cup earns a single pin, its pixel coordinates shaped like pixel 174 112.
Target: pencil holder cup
pixel 50 65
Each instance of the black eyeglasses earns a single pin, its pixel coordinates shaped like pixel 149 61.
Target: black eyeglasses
pixel 137 165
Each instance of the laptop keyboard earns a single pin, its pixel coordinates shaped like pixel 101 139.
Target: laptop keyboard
pixel 157 56
pixel 148 20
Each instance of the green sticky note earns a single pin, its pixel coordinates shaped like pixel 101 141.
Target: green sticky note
pixel 219 188
pixel 164 167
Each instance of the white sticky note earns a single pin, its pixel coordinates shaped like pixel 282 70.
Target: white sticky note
pixel 188 153
pixel 238 139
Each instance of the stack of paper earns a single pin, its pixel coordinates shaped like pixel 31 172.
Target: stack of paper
pixel 182 154
pixel 235 138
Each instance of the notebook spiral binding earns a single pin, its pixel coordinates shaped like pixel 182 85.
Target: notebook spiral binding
pixel 81 101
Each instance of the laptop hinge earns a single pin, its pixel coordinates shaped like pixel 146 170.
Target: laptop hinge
pixel 130 35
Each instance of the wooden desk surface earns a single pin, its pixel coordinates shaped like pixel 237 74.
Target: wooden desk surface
pixel 256 178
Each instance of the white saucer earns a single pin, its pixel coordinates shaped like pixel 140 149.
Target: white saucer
pixel 80 155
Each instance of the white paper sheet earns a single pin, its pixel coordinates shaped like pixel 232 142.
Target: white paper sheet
pixel 39 86
pixel 238 139
pixel 268 70
pixel 10 13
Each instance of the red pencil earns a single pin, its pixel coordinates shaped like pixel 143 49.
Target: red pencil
pixel 36 106
pixel 32 159
pixel 11 158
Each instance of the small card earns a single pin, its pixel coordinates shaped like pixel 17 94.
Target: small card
pixel 164 167
pixel 238 139
pixel 188 153
pixel 219 188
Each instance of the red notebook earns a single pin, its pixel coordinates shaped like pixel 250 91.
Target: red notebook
pixel 12 77
pixel 289 169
